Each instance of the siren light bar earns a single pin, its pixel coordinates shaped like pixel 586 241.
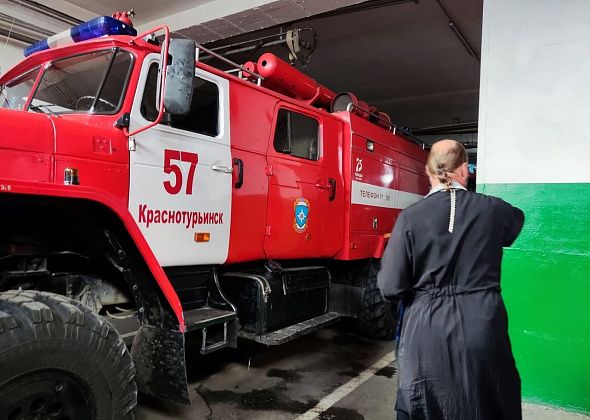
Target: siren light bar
pixel 94 28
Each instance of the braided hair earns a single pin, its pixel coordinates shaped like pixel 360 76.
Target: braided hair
pixel 442 161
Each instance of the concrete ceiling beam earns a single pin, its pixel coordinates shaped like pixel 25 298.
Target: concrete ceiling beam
pixel 223 19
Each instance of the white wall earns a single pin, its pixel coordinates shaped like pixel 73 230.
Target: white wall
pixel 535 92
pixel 10 53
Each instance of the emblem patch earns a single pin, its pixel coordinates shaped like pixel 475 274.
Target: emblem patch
pixel 358 170
pixel 301 207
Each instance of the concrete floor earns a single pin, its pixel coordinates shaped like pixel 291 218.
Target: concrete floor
pixel 329 375
pixel 539 412
pixel 284 382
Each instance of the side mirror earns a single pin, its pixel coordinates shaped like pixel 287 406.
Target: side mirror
pixel 180 74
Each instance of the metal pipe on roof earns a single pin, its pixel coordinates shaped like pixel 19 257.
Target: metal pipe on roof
pixel 18 23
pixel 458 33
pixel 17 36
pixel 465 128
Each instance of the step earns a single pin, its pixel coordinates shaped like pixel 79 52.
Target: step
pixel 195 319
pixel 293 331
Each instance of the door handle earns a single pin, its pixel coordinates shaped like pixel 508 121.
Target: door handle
pixel 224 169
pixel 332 186
pixel 240 178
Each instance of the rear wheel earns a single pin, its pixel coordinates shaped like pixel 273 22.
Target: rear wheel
pixel 377 318
pixel 62 361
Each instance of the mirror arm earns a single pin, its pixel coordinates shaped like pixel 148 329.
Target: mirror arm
pixel 165 46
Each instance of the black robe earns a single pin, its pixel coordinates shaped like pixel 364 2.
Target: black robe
pixel 455 358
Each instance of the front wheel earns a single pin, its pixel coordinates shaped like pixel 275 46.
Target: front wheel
pixel 60 360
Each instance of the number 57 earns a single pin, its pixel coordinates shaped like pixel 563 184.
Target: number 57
pixel 169 167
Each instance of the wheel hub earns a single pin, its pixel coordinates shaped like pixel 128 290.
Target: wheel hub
pixel 46 395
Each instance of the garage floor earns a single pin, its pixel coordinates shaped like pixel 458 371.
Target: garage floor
pixel 259 382
pixel 330 375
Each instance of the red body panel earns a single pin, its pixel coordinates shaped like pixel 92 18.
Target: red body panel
pixel 100 154
pixel 262 209
pixel 292 178
pixel 395 164
pixel 27 143
pixel 251 119
pixel 378 168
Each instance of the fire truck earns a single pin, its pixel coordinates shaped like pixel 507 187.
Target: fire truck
pixel 147 197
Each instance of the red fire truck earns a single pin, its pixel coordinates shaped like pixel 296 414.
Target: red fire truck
pixel 148 197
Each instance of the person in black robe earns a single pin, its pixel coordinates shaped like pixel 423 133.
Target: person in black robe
pixel 443 261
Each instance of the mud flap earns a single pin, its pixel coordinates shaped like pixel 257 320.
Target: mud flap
pixel 160 364
pixel 346 300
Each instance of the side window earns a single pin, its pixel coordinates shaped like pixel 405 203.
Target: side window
pixel 203 116
pixel 297 135
pixel 148 101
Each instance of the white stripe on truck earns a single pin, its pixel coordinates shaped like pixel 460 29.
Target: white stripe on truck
pixel 374 195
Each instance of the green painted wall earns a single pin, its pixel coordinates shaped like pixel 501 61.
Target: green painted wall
pixel 546 287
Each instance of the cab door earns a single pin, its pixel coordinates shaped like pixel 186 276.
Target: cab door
pixel 299 187
pixel 180 172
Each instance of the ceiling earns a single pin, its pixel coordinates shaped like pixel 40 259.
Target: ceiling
pixel 146 10
pixel 401 57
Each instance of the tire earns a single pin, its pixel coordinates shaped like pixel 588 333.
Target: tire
pixel 376 320
pixel 60 360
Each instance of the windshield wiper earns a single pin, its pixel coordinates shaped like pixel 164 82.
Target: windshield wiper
pixel 5 96
pixel 40 108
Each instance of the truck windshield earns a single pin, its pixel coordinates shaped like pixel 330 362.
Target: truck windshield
pixel 15 93
pixel 92 82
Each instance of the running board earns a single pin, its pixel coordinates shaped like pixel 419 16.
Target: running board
pixel 292 332
pixel 195 319
pixel 218 327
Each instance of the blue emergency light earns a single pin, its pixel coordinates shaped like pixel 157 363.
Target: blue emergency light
pixel 95 28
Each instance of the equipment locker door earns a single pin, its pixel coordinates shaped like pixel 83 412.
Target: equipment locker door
pixel 299 190
pixel 180 172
